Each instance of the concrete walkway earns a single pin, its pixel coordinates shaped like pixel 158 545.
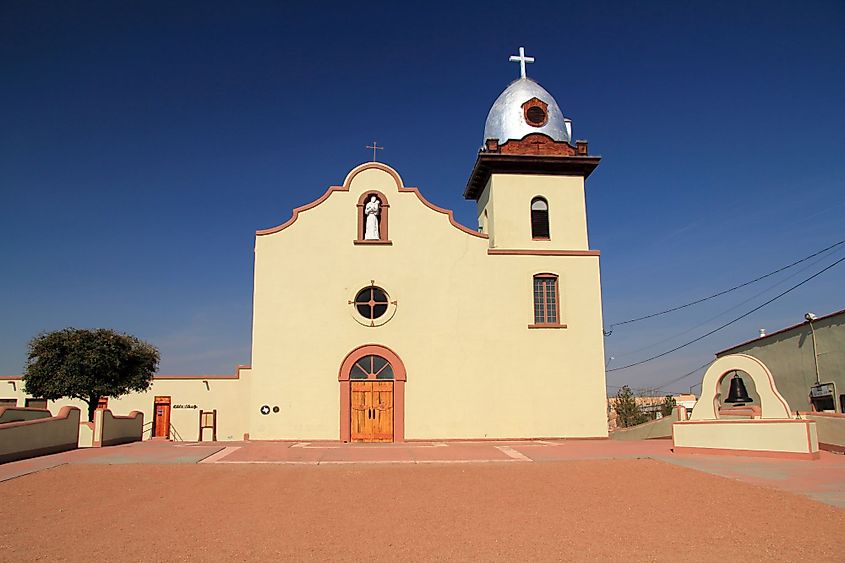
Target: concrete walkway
pixel 822 480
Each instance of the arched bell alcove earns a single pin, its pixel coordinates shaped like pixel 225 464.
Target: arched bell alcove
pixel 772 403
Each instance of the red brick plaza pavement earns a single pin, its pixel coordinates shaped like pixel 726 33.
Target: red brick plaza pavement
pixel 508 500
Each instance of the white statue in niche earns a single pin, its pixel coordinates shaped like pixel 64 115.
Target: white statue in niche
pixel 371 211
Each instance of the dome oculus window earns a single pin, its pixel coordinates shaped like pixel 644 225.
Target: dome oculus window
pixel 536 112
pixel 536 116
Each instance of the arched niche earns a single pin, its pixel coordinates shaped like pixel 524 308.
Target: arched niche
pixel 384 211
pixel 772 403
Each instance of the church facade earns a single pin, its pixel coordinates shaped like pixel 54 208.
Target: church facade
pixel 378 317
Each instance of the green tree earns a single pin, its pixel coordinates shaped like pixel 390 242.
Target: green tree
pixel 667 405
pixel 628 413
pixel 88 364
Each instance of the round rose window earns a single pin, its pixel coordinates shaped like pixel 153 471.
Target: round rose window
pixel 371 302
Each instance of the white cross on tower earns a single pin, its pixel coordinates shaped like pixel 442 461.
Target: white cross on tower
pixel 521 59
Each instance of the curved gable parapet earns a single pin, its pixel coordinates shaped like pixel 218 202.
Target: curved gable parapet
pixel 448 212
pixel 347 182
pixel 378 166
pixel 300 209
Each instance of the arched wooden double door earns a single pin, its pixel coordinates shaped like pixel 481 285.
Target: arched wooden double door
pixel 372 392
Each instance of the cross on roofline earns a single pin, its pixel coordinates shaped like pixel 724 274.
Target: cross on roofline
pixel 375 147
pixel 521 59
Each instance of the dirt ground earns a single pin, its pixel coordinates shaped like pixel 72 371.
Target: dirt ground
pixel 632 510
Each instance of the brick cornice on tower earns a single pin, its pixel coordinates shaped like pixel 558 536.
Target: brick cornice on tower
pixel 536 153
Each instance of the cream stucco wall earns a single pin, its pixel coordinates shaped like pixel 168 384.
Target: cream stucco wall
pixel 226 394
pixel 507 200
pixel 461 324
pixel 784 436
pixel 474 368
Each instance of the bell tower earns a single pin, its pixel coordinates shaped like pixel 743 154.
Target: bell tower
pixel 528 179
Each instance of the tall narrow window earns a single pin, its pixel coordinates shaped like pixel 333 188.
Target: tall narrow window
pixel 539 219
pixel 546 300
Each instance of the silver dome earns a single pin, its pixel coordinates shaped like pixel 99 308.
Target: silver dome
pixel 506 119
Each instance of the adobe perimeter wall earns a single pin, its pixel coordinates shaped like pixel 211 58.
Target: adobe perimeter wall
pixel 18 414
pixel 831 430
pixel 653 429
pixel 111 430
pixel 31 438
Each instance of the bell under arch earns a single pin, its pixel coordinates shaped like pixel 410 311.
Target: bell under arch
pixel 772 403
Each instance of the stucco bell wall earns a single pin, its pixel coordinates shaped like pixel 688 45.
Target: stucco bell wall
pixel 461 326
pixel 780 436
pixel 507 200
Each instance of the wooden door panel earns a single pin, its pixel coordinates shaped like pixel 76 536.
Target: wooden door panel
pixel 383 411
pixel 360 411
pixel 371 410
pixel 161 417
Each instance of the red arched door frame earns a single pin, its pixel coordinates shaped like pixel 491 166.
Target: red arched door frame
pixel 399 378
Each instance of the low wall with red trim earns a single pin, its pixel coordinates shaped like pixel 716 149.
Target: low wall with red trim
pixel 653 429
pixel 787 438
pixel 831 430
pixel 111 430
pixel 43 436
pixel 18 414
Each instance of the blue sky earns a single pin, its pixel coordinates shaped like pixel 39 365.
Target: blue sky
pixel 143 144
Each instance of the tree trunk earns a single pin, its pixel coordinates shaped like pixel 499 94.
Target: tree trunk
pixel 92 407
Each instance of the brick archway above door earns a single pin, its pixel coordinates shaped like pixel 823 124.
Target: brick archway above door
pixel 345 379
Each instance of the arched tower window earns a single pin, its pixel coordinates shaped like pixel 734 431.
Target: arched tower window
pixel 372 218
pixel 539 219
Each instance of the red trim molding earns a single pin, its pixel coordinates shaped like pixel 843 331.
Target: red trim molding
pixel 237 375
pixel 300 209
pixel 541 252
pixel 825 414
pixel 750 453
pixel 547 325
pixel 749 410
pixel 750 421
pixel 345 188
pixel 447 212
pixel 399 378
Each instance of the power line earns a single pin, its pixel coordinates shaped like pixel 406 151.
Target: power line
pixel 726 311
pixel 681 378
pixel 677 379
pixel 729 323
pixel 734 288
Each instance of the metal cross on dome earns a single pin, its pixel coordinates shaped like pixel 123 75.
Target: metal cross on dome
pixel 375 147
pixel 521 59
